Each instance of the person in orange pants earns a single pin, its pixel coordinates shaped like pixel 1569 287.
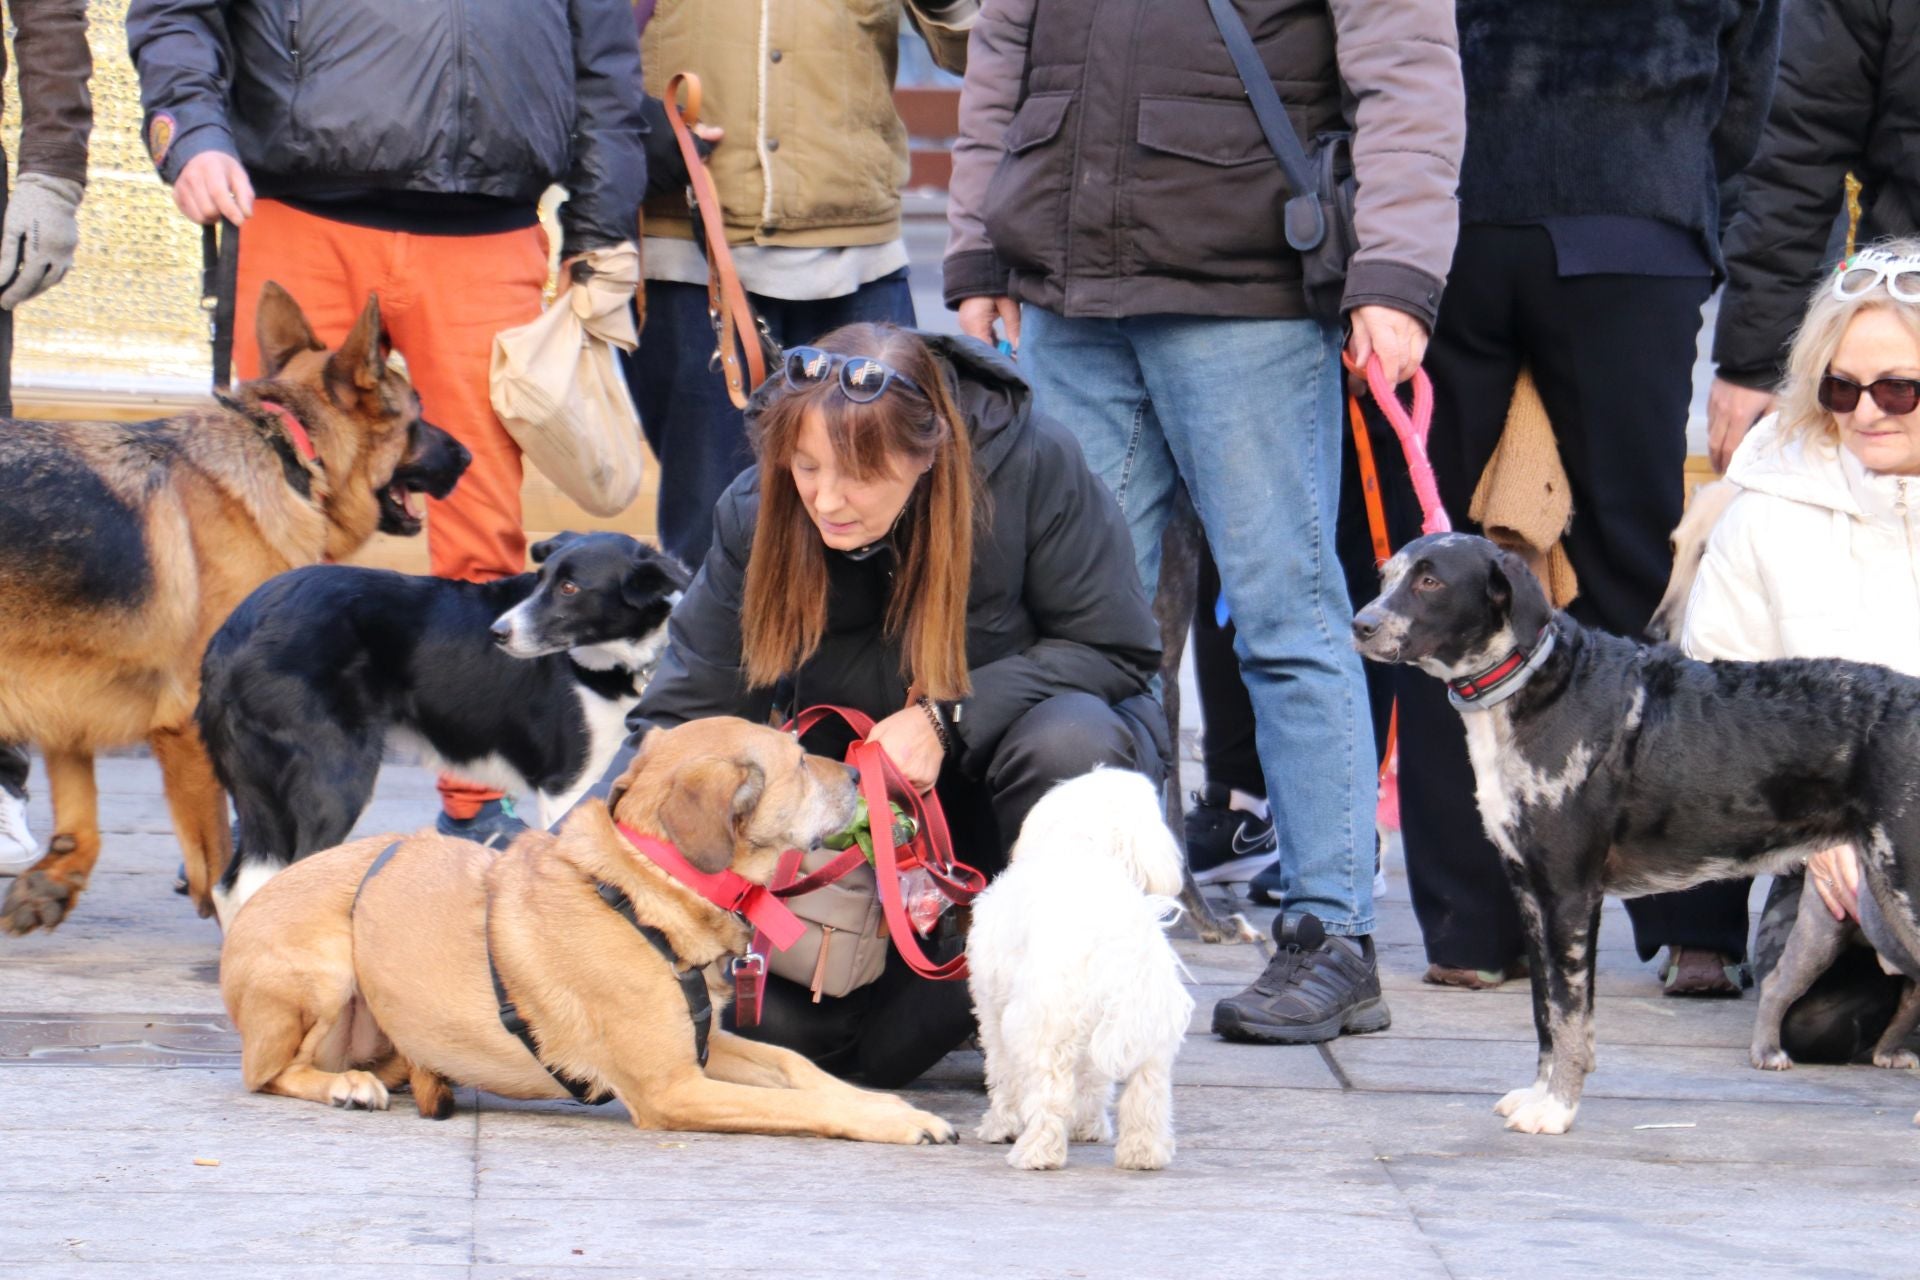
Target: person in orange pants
pixel 391 166
pixel 442 299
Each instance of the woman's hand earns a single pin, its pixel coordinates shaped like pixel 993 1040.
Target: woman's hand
pixel 1731 412
pixel 912 745
pixel 1835 875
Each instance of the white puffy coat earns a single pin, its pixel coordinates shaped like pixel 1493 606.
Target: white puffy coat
pixel 1817 557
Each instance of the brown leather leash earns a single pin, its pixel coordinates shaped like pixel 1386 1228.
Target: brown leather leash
pixel 740 353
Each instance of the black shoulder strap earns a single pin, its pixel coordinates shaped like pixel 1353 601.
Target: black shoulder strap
pixel 1305 225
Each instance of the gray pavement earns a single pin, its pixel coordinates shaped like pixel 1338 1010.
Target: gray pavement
pixel 1374 1156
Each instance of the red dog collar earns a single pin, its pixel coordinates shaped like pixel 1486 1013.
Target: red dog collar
pixel 1498 682
pixel 302 442
pixel 727 890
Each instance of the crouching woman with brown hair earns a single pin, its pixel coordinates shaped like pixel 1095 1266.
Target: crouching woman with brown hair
pixel 916 543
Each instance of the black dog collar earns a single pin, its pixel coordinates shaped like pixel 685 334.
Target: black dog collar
pixel 1503 679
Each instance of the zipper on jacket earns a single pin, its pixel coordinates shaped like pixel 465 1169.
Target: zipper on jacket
pixel 1905 512
pixel 458 12
pixel 293 39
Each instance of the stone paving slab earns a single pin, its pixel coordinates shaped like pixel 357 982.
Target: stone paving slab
pixel 1374 1155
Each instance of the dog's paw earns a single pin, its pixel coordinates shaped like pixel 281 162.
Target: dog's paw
pixel 1769 1059
pixel 1143 1151
pixel 1542 1115
pixel 1897 1060
pixel 36 901
pixel 929 1130
pixel 1042 1146
pixel 998 1126
pixel 1519 1098
pixel 357 1089
pixel 1093 1128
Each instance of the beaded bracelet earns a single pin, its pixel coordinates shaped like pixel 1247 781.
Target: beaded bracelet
pixel 938 722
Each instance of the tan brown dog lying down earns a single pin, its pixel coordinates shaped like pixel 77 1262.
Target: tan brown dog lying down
pixel 339 1001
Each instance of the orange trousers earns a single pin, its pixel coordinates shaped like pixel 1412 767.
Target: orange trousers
pixel 442 299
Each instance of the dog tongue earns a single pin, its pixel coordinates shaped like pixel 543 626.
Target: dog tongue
pixel 411 503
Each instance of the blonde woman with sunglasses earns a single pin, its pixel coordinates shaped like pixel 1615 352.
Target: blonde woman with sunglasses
pixel 1819 557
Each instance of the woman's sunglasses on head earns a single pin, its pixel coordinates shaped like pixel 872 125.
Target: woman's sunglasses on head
pixel 862 379
pixel 1895 396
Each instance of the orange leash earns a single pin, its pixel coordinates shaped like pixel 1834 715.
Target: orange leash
pixel 1382 545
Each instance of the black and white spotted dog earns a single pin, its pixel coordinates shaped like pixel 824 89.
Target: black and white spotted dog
pixel 1604 766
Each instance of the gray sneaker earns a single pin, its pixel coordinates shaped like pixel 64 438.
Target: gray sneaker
pixel 1315 988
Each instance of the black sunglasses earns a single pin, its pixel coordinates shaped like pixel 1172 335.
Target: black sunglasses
pixel 862 378
pixel 1895 396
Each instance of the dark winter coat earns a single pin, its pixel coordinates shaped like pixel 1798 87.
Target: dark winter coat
pixel 56 111
pixel 1633 107
pixel 1848 101
pixel 1109 164
pixel 1055 604
pixel 469 97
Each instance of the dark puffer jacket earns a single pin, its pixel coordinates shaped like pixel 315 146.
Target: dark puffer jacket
pixel 1848 100
pixel 468 97
pixel 1054 606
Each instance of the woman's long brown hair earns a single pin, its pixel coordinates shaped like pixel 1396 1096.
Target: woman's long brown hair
pixel 784 612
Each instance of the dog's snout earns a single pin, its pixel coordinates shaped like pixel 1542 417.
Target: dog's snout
pixel 501 630
pixel 853 775
pixel 1366 623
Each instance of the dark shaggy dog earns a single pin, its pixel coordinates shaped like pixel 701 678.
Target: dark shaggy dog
pixel 1602 766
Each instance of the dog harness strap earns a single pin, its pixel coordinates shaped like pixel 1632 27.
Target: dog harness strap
pixel 516 1025
pixel 379 863
pixel 1504 679
pixel 693 981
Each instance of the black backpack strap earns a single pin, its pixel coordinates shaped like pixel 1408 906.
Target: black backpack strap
pixel 1305 225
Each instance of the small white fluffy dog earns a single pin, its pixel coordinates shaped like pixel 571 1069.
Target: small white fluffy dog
pixel 1074 982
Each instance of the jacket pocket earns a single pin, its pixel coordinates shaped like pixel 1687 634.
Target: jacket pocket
pixel 1205 192
pixel 1026 202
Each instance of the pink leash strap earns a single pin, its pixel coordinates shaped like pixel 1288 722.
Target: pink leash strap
pixel 1412 429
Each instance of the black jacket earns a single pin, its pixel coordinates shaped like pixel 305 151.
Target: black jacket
pixel 1848 101
pixel 1635 107
pixel 472 97
pixel 1055 604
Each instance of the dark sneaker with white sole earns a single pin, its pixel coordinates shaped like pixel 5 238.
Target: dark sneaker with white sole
pixel 1315 988
pixel 1226 845
pixel 496 825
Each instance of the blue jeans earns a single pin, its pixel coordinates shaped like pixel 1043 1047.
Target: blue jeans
pixel 1247 413
pixel 692 427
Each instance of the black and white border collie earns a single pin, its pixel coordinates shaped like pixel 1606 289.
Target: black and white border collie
pixel 523 683
pixel 1604 766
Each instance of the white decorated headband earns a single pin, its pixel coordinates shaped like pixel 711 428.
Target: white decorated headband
pixel 1869 268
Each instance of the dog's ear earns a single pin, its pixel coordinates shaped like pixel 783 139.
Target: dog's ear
pixel 1515 594
pixel 282 330
pixel 361 362
pixel 706 800
pixel 651 576
pixel 547 546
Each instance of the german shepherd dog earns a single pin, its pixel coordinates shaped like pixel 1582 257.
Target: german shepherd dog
pixel 124 546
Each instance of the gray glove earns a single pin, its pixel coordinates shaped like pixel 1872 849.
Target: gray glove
pixel 39 236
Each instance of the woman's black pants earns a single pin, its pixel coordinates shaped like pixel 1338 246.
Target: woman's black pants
pixel 892 1030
